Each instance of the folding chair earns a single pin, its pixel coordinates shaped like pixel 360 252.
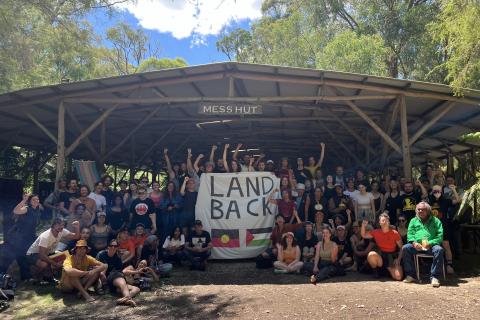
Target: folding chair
pixel 419 256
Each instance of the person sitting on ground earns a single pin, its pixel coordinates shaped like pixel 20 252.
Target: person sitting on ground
pixel 289 255
pixel 198 247
pixel 114 275
pixel 173 246
pixel 276 236
pixel 76 274
pixel 141 276
pixel 307 243
pixel 153 256
pixel 387 241
pixel 425 235
pixel 100 233
pixel 326 256
pixel 361 247
pixel 126 248
pixel 38 253
pixel 345 253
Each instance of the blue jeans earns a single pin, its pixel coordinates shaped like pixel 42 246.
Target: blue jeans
pixel 409 253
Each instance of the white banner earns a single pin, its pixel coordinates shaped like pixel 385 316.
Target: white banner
pixel 234 208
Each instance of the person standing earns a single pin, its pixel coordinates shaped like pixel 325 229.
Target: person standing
pixel 21 235
pixel 142 210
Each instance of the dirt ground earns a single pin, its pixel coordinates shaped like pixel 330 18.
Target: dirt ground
pixel 237 290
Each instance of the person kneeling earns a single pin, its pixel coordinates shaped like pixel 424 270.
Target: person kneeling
pixel 387 241
pixel 288 259
pixel 198 247
pixel 75 274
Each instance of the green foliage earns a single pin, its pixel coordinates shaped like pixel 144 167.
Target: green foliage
pixel 456 29
pixel 430 40
pixel 471 200
pixel 353 53
pixel 152 64
pixel 471 137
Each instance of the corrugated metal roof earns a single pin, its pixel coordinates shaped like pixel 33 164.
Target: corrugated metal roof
pixel 291 121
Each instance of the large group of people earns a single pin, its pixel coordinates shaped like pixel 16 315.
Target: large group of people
pixel 325 225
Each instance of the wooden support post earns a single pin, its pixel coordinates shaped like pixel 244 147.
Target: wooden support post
pixel 60 143
pixel 87 141
pixel 407 161
pixel 41 126
pixel 349 129
pixel 391 126
pixel 431 122
pixel 103 140
pixel 132 132
pixel 371 123
pixel 89 130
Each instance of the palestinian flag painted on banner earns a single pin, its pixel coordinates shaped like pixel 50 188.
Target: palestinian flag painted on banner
pixel 225 238
pixel 258 237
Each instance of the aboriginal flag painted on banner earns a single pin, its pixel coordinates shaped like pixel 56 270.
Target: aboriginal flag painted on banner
pixel 225 238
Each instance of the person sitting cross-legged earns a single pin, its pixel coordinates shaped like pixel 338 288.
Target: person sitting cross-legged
pixel 425 234
pixel 386 256
pixel 115 277
pixel 288 259
pixel 198 247
pixel 76 274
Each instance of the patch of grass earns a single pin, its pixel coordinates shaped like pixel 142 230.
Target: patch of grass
pixel 29 303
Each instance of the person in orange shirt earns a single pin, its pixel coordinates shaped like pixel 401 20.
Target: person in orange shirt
pixel 126 248
pixel 75 275
pixel 138 239
pixel 289 254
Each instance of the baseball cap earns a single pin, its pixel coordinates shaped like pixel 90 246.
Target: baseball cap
pixel 300 186
pixel 269 161
pixel 101 213
pixel 198 223
pixel 341 227
pixel 140 225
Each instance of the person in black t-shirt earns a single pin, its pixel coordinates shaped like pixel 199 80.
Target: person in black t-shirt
pixel 189 201
pixel 107 191
pixel 114 276
pixel 345 252
pixel 411 198
pixel 67 197
pixel 307 243
pixel 142 210
pixel 300 172
pixel 198 247
pixel 117 215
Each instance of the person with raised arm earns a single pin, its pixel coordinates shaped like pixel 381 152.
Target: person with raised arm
pixel 189 194
pixel 388 253
pixel 312 165
pixel 21 235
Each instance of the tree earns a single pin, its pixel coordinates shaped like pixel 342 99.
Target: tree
pixel 354 53
pixel 235 44
pixel 456 28
pixel 152 64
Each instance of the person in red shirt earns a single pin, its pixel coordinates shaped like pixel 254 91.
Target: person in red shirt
pixel 138 239
pixel 386 257
pixel 286 207
pixel 126 248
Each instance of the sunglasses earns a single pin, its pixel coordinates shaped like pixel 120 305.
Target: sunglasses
pixel 436 191
pixel 401 220
pixel 113 246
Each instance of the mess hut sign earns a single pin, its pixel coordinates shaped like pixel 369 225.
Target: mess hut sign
pixel 229 109
pixel 234 208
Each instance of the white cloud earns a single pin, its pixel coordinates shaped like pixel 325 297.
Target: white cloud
pixel 184 18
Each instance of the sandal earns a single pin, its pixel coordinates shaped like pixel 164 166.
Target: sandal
pixel 122 300
pixel 130 302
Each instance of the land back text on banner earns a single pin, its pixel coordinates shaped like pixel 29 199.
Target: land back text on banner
pixel 234 208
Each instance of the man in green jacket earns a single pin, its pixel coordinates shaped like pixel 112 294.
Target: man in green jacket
pixel 425 235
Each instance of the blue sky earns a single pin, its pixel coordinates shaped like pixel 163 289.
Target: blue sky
pixel 183 28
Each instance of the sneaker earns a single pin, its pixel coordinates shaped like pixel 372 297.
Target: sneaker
pixel 450 269
pixel 435 283
pixel 279 271
pixel 409 279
